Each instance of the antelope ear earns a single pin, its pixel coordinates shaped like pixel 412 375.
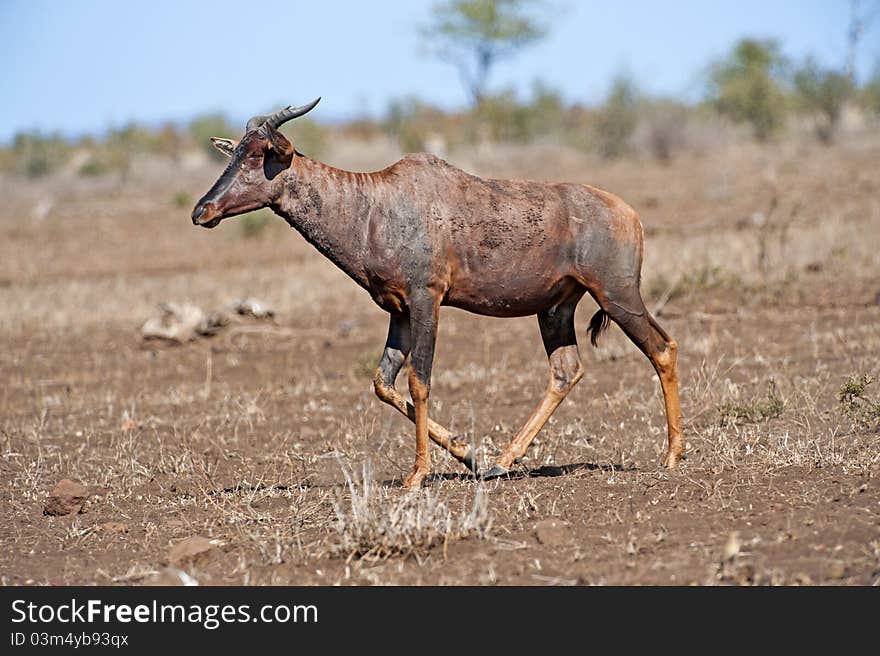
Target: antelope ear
pixel 279 143
pixel 225 146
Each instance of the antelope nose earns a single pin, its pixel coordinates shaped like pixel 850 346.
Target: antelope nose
pixel 199 211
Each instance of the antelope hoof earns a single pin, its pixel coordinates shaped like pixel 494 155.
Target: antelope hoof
pixel 670 460
pixel 414 480
pixel 496 472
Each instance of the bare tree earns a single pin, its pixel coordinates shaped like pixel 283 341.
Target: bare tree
pixel 475 34
pixel 860 16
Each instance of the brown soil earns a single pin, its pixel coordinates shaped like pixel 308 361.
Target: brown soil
pixel 245 438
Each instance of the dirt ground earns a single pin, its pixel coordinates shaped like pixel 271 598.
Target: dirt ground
pixel 763 264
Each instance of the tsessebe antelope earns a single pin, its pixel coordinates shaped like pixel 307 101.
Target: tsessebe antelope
pixel 422 233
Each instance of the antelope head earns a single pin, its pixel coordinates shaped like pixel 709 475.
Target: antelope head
pixel 255 161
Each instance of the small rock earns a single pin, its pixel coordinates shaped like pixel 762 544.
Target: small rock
pixel 213 324
pixel 66 497
pixel 552 532
pixel 836 570
pixel 251 307
pixel 177 323
pixel 112 527
pixel 191 549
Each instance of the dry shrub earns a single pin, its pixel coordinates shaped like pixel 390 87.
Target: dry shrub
pixel 378 522
pixel 864 413
pixel 754 410
pixel 662 128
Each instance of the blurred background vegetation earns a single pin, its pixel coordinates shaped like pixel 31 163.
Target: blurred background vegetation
pixel 755 89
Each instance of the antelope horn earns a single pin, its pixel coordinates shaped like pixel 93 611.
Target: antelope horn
pixel 277 119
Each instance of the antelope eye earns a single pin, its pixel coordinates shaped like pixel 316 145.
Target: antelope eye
pixel 255 155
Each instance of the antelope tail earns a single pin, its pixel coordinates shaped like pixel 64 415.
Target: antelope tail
pixel 598 324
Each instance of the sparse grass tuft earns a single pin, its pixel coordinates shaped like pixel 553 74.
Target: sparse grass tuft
pixel 757 409
pixel 379 523
pixel 862 411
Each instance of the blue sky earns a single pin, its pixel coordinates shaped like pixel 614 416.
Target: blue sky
pixel 80 67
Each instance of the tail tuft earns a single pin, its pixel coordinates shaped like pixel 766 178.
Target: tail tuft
pixel 598 324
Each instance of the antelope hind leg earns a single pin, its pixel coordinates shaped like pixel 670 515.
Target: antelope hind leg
pixel 560 342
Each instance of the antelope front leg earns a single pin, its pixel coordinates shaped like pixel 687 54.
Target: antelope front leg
pixel 424 310
pixel 397 347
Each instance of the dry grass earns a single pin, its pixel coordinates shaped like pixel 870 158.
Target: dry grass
pixel 378 522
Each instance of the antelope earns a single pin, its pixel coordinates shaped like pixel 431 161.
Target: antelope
pixel 422 233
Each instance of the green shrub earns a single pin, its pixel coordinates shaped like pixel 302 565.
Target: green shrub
pixel 616 119
pixel 502 118
pixel 93 167
pixel 132 139
pixel 36 155
pixel 106 158
pixel 870 92
pixel 753 410
pixel 748 86
pixel 410 120
pixel 822 92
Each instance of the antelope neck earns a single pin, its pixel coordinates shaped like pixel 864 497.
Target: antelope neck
pixel 330 207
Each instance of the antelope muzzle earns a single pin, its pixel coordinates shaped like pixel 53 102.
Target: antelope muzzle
pixel 206 215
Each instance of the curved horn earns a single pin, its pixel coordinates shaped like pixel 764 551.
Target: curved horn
pixel 277 119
